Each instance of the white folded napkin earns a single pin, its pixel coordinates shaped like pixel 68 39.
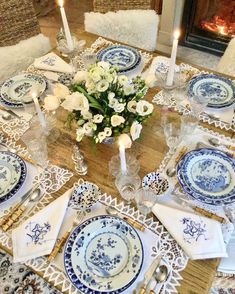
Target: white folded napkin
pixel 37 235
pixel 161 64
pixel 227 265
pixel 52 62
pixel 225 114
pixel 199 237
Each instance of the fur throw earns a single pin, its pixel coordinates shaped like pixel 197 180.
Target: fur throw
pixel 227 62
pixel 16 58
pixel 137 28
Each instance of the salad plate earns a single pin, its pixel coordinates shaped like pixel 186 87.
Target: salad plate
pixel 125 58
pixel 220 90
pixel 15 88
pixel 12 174
pixel 104 254
pixel 208 175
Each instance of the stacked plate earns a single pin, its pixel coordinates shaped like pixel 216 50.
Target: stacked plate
pixel 220 90
pixel 14 89
pixel 104 254
pixel 125 58
pixel 208 175
pixel 12 174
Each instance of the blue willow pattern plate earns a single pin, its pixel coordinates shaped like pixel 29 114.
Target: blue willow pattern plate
pixel 220 90
pixel 125 58
pixel 104 254
pixel 15 88
pixel 12 174
pixel 208 175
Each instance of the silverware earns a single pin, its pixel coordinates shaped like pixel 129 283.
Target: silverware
pixel 112 211
pixel 148 275
pixel 20 209
pixel 9 114
pixel 211 116
pixel 63 239
pixel 160 275
pixel 171 171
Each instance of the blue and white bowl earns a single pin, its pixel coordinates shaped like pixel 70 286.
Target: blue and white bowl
pixel 156 183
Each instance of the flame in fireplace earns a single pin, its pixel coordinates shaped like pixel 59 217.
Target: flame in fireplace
pixel 220 26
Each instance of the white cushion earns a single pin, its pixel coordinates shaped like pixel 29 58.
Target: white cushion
pixel 227 62
pixel 16 58
pixel 134 27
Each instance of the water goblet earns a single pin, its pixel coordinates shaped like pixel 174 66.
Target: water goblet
pixel 145 199
pixel 127 185
pixel 88 58
pixel 172 132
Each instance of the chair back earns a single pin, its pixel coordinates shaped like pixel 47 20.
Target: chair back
pixel 104 6
pixel 18 21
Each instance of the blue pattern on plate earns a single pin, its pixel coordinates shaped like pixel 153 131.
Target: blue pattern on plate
pixel 208 176
pixel 6 98
pixel 21 179
pixel 97 259
pixel 220 89
pixel 124 57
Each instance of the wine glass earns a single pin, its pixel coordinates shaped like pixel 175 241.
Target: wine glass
pixel 172 132
pixel 127 185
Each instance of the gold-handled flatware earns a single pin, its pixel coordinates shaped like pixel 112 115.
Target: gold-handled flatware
pixel 209 214
pixel 147 64
pixel 20 209
pixel 148 275
pixel 60 243
pixel 112 211
pixel 160 274
pixel 171 171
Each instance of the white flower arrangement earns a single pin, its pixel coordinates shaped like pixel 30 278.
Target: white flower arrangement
pixel 105 104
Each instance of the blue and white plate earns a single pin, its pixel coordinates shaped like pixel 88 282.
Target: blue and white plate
pixel 125 58
pixel 208 175
pixel 104 254
pixel 220 90
pixel 12 174
pixel 15 88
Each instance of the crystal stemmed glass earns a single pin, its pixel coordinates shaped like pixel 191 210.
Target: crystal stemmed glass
pixel 145 199
pixel 198 104
pixel 172 132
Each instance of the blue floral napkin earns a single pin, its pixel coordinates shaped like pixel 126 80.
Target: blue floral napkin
pixel 199 237
pixel 37 235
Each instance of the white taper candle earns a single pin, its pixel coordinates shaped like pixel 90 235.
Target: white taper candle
pixel 66 26
pixel 171 71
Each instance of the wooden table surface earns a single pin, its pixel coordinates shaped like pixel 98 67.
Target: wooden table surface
pixel 150 150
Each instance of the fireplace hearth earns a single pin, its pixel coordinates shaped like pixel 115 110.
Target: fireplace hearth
pixel 208 25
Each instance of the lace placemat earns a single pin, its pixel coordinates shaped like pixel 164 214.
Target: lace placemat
pixel 167 98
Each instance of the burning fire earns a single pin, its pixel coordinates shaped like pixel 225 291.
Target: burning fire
pixel 219 25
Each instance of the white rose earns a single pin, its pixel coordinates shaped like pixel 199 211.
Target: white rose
pixel 131 106
pixel 125 140
pixel 116 120
pixel 113 103
pixel 108 132
pixel 108 77
pixel 101 137
pixel 90 86
pixel 51 102
pixel 102 86
pixel 86 114
pixel 80 134
pixel 122 79
pixel 89 128
pixel 105 65
pixel 76 101
pixel 128 89
pixel 135 130
pixel 119 107
pixel 144 108
pixel 61 91
pixel 150 81
pixel 111 95
pixel 98 118
pixel 80 76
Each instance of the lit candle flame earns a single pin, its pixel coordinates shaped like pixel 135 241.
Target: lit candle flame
pixel 222 30
pixel 176 34
pixel 61 3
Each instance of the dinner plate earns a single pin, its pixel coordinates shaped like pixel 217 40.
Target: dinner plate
pixel 124 57
pixel 104 254
pixel 15 88
pixel 208 175
pixel 12 174
pixel 220 90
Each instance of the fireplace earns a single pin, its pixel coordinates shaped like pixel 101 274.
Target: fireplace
pixel 208 25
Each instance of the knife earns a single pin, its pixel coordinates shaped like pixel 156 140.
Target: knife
pixel 149 274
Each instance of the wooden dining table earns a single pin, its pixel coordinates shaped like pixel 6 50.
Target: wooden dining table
pixel 150 150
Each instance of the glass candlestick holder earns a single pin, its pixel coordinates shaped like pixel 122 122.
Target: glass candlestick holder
pixel 127 185
pixel 133 165
pixel 80 165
